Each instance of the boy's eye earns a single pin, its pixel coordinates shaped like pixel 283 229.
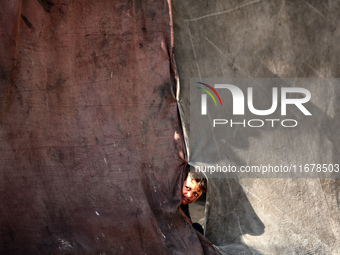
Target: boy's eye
pixel 187 188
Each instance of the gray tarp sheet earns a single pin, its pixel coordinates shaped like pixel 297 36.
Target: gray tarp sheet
pixel 91 151
pixel 267 39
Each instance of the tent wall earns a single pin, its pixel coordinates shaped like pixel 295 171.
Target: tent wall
pixel 267 39
pixel 91 151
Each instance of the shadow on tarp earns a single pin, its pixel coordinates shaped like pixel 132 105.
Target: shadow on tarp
pixel 226 227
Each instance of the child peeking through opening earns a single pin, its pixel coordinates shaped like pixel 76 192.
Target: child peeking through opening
pixel 194 186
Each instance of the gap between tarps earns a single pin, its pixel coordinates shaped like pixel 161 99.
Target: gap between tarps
pixel 205 242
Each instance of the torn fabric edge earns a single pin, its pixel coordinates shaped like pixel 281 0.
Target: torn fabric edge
pixel 180 110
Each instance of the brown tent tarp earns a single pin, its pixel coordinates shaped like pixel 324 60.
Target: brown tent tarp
pixel 92 154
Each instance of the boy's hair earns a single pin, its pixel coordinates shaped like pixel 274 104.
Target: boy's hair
pixel 200 179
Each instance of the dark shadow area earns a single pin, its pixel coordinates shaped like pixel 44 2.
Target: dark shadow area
pixel 230 215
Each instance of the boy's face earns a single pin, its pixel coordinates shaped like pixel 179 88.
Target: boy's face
pixel 190 191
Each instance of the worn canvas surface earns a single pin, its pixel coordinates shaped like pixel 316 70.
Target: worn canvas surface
pixel 91 148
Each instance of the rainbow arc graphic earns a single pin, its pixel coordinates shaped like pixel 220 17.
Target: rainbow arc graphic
pixel 209 93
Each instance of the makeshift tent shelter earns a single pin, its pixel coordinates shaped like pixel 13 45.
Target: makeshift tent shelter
pixel 92 152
